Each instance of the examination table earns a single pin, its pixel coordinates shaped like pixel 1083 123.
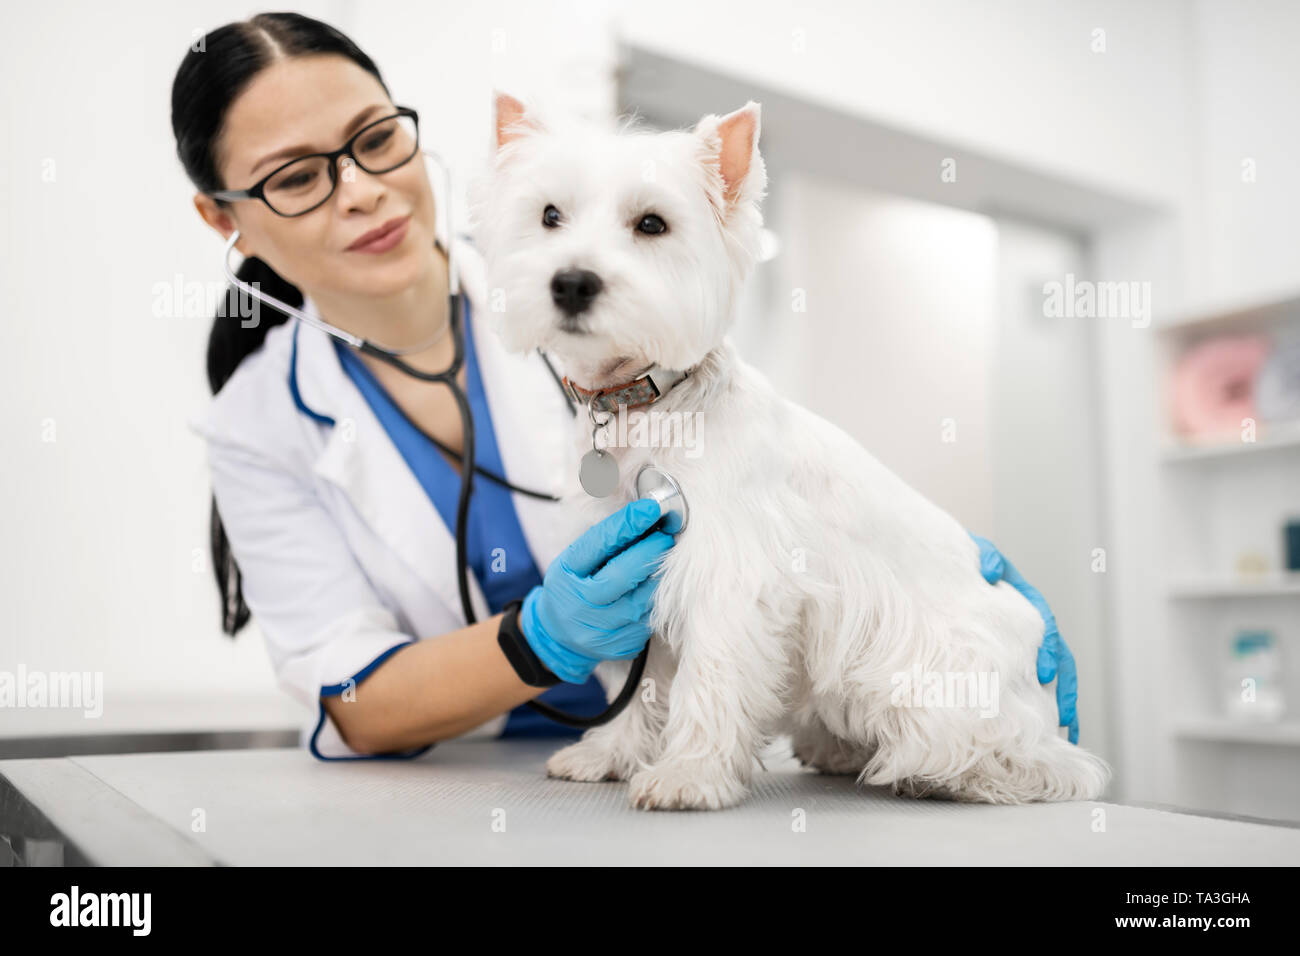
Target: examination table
pixel 489 802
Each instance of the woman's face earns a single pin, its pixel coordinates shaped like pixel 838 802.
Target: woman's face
pixel 307 105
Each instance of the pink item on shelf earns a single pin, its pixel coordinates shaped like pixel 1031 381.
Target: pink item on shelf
pixel 1213 386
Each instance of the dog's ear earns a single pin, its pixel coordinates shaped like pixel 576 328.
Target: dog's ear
pixel 513 119
pixel 732 141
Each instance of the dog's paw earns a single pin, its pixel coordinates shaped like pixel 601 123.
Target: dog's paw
pixel 831 761
pixel 586 762
pixel 684 787
pixel 820 750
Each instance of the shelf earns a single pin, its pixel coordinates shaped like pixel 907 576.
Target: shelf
pixel 1220 729
pixel 1283 584
pixel 1235 317
pixel 1270 438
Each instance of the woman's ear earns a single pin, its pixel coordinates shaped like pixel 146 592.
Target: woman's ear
pixel 513 119
pixel 731 142
pixel 220 220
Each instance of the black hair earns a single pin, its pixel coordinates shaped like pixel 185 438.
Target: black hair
pixel 213 73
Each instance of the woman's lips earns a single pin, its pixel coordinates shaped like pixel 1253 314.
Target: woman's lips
pixel 384 238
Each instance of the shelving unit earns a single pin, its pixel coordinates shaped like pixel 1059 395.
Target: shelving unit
pixel 1269 438
pixel 1227 317
pixel 1256 585
pixel 1221 500
pixel 1285 733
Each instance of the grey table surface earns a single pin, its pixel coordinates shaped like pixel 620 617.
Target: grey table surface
pixel 489 802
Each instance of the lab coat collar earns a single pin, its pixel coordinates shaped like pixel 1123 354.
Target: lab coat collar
pixel 534 433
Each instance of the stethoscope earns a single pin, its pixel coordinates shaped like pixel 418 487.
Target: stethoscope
pixel 650 481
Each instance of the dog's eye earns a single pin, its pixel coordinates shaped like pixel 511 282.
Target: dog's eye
pixel 651 225
pixel 550 217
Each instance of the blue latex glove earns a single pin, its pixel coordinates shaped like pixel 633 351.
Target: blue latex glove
pixel 594 602
pixel 1054 658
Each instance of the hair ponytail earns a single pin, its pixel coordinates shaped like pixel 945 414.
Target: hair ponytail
pixel 211 75
pixel 229 343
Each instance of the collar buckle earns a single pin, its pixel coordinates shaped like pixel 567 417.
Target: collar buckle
pixel 658 381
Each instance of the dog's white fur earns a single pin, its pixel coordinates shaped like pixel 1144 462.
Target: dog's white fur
pixel 809 575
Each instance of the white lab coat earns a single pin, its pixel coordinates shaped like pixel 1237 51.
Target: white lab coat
pixel 342 553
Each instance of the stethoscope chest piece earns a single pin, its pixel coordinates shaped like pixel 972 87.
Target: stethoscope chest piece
pixel 661 486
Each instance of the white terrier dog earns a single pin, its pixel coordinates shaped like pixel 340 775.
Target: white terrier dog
pixel 813 593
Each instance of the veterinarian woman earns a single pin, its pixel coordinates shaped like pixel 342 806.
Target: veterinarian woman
pixel 333 515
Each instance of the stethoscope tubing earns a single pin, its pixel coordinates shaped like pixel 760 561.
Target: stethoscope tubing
pixel 448 378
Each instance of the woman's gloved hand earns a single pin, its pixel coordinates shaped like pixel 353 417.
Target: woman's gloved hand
pixel 594 602
pixel 1055 662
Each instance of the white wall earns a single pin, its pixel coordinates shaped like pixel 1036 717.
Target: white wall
pixel 1048 476
pixel 1016 79
pixel 880 318
pixel 1248 82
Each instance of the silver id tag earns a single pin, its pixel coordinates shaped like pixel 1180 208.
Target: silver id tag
pixel 598 470
pixel 598 473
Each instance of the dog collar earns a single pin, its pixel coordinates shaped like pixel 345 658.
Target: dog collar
pixel 648 388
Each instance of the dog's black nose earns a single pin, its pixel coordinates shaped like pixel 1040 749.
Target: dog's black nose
pixel 573 290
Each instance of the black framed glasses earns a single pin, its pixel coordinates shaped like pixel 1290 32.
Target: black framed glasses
pixel 304 183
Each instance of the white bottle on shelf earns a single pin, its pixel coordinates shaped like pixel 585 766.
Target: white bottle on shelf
pixel 1254 670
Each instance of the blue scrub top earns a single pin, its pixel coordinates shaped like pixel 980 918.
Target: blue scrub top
pixel 497 550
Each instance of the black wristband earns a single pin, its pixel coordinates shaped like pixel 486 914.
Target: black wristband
pixel 518 651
